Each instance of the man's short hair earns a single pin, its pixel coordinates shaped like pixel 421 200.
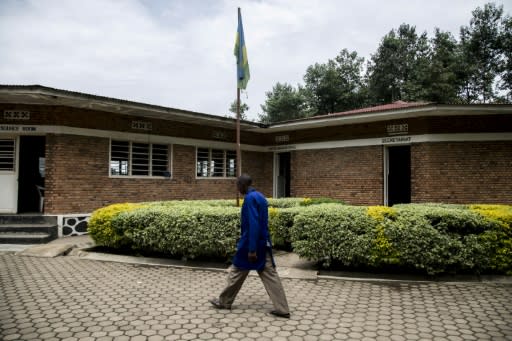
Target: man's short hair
pixel 244 180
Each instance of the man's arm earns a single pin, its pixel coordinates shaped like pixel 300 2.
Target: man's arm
pixel 254 228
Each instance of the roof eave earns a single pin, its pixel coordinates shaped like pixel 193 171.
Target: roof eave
pixel 36 94
pixel 402 113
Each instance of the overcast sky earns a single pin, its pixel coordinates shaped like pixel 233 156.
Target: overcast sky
pixel 179 53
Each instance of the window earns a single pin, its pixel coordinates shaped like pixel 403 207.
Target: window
pixel 7 155
pixel 216 163
pixel 119 156
pixel 138 159
pixel 160 159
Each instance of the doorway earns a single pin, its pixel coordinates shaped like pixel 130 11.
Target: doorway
pixel 398 169
pixel 31 174
pixel 282 175
pixel 8 175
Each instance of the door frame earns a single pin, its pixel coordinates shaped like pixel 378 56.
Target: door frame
pixel 275 174
pixel 15 175
pixel 386 169
pixel 276 171
pixel 28 196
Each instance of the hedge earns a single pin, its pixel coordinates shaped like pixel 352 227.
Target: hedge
pixel 188 228
pixel 100 226
pixel 331 232
pixel 431 238
pixel 181 230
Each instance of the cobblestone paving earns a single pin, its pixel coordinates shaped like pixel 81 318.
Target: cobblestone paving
pixel 68 298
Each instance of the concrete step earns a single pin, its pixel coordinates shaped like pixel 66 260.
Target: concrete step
pixel 27 219
pixel 25 238
pixel 27 229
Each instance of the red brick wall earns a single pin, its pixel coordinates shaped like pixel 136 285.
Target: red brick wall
pixel 462 172
pixel 260 167
pixel 77 179
pixel 353 175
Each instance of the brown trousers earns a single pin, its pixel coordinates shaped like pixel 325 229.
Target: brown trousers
pixel 268 276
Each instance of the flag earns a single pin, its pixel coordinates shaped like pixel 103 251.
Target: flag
pixel 242 63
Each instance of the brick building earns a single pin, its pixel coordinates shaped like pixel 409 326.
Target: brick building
pixel 83 152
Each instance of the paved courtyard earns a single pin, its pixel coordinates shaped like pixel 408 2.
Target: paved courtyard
pixel 69 298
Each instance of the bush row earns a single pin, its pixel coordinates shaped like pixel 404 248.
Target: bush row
pixel 432 238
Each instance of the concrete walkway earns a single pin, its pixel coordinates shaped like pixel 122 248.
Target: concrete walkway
pixel 290 265
pixel 77 297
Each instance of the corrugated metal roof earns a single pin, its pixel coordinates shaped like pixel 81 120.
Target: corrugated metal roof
pixel 391 106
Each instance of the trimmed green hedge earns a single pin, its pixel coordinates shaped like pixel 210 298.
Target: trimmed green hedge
pixel 181 230
pixel 331 232
pixel 431 238
pixel 100 225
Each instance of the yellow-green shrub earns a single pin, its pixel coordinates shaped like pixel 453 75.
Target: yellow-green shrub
pixel 499 238
pixel 383 251
pixel 100 227
pixel 502 214
pixel 379 213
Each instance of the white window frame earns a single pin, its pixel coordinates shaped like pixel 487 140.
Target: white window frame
pixel 13 155
pixel 225 163
pixel 130 160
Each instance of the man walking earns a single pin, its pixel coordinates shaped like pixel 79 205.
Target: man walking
pixel 254 252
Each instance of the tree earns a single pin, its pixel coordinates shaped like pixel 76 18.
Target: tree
pixel 505 68
pixel 336 85
pixel 480 43
pixel 284 103
pixel 399 68
pixel 411 67
pixel 243 108
pixel 445 69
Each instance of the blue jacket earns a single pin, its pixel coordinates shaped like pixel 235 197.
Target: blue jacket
pixel 254 235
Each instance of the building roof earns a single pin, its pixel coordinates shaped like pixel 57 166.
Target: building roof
pixel 394 111
pixel 42 95
pixel 391 106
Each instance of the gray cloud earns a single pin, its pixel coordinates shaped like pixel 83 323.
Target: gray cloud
pixel 180 53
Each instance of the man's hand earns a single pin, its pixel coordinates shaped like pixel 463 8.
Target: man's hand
pixel 252 257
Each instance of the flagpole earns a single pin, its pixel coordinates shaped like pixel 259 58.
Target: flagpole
pixel 238 156
pixel 242 78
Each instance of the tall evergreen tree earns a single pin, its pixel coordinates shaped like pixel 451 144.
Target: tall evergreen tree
pixel 399 68
pixel 480 43
pixel 284 103
pixel 336 85
pixel 505 84
pixel 445 69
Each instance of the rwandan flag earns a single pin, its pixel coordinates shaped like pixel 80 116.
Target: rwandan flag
pixel 242 63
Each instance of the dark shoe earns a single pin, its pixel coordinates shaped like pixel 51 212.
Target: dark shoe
pixel 278 314
pixel 216 303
